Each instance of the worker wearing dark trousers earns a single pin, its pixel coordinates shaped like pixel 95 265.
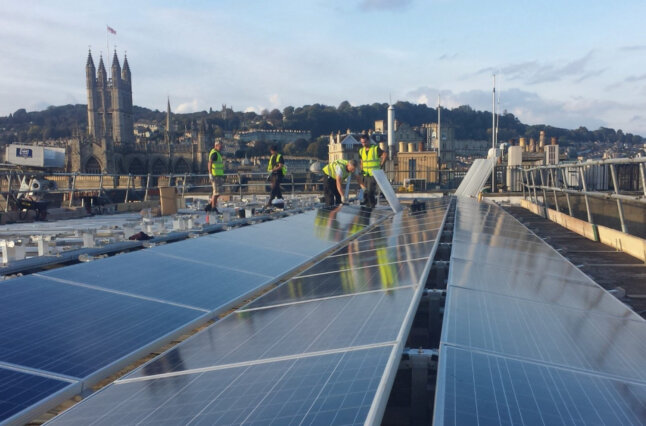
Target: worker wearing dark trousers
pixel 216 175
pixel 277 170
pixel 372 158
pixel 336 172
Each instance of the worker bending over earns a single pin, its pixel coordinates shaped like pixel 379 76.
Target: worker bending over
pixel 336 173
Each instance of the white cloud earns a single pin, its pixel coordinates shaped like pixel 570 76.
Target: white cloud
pixel 190 106
pixel 274 100
pixel 422 99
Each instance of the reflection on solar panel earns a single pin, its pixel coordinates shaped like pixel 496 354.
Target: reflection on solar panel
pixel 84 322
pixel 528 338
pixel 321 348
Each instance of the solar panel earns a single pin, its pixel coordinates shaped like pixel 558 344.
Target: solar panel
pixel 338 283
pixel 289 330
pixel 579 293
pixel 328 389
pixel 19 390
pixel 342 327
pixel 527 337
pixel 482 388
pixel 476 177
pixel 204 272
pixel 546 332
pixel 387 190
pixel 74 331
pixel 89 320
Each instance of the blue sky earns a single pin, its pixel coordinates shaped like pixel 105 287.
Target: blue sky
pixel 564 63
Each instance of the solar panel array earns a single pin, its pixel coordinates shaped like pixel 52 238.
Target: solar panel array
pixel 476 177
pixel 67 328
pixel 528 338
pixel 321 348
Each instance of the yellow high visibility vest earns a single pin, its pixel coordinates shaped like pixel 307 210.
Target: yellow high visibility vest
pixel 217 166
pixel 330 169
pixel 275 159
pixel 370 159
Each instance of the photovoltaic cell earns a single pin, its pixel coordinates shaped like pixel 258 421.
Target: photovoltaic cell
pixel 308 233
pixel 75 331
pixel 540 287
pixel 312 351
pixel 352 281
pixel 545 332
pixel 352 257
pixel 324 325
pixel 211 251
pixel 179 278
pixel 528 338
pixel 488 389
pixel 19 390
pixel 328 389
pixel 86 319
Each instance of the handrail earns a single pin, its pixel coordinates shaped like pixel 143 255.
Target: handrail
pixel 607 161
pixel 597 179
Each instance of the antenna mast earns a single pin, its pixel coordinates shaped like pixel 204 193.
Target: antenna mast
pixel 493 137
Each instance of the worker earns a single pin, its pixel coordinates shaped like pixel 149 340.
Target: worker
pixel 216 175
pixel 277 171
pixel 336 173
pixel 372 158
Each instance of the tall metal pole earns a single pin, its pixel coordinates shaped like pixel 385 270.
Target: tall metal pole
pixel 439 129
pixel 493 137
pixel 439 142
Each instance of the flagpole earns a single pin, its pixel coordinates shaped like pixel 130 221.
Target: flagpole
pixel 107 42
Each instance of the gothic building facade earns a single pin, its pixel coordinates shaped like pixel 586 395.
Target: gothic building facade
pixel 110 145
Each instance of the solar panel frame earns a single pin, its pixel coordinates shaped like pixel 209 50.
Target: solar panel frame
pixel 378 407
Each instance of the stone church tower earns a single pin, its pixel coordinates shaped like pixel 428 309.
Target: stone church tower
pixel 110 146
pixel 109 102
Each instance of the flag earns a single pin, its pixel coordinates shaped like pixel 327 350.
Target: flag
pixel 110 29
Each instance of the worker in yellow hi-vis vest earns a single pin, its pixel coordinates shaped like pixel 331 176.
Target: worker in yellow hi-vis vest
pixel 277 171
pixel 372 158
pixel 216 175
pixel 336 172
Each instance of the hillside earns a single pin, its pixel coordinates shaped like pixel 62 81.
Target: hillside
pixel 71 120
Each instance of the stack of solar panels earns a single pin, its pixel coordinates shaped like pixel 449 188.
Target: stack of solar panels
pixel 65 329
pixel 528 338
pixel 476 177
pixel 322 348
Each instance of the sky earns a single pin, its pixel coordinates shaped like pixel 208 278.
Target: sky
pixel 562 63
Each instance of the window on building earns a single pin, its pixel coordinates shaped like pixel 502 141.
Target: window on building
pixel 92 166
pixel 412 165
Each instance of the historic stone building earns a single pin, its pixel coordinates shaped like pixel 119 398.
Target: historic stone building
pixel 110 145
pixel 343 147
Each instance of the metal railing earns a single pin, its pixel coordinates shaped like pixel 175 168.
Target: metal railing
pixel 622 179
pixel 74 188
